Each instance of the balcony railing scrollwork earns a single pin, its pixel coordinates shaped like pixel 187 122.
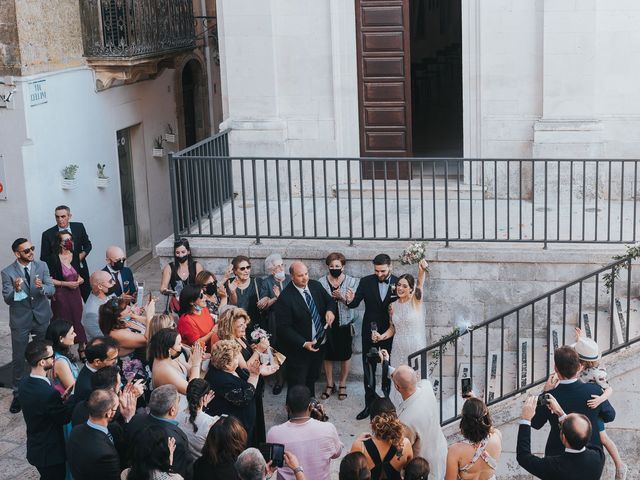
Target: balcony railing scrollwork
pixel 136 28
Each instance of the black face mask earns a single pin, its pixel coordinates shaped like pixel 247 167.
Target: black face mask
pixel 211 288
pixel 335 272
pixel 111 290
pixel 182 259
pixel 177 354
pixel 117 266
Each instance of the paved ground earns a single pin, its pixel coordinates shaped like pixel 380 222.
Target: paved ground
pixel 13 462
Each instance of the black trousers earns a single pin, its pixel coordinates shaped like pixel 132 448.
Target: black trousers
pixel 370 367
pixel 305 370
pixel 53 472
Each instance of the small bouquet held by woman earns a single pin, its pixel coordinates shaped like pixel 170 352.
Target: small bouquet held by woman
pixel 414 253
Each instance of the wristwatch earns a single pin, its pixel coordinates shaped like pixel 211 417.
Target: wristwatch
pixel 298 469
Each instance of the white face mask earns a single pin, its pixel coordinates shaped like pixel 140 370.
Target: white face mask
pixel 279 275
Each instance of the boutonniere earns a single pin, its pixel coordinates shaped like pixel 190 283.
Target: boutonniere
pixel 393 287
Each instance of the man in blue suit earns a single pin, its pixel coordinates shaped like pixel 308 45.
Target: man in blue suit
pixel 572 395
pixel 122 275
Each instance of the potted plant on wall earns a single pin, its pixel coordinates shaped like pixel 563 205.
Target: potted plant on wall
pixel 69 181
pixel 158 151
pixel 170 136
pixel 102 181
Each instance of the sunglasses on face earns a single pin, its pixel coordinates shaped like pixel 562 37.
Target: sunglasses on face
pixel 50 356
pixel 201 296
pixel 26 251
pixel 116 260
pixel 242 269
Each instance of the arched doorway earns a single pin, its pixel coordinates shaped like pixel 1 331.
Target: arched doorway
pixel 192 102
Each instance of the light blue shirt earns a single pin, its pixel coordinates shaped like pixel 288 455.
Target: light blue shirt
pixel 100 428
pixel 383 288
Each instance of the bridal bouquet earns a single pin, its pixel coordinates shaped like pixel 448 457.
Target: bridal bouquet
pixel 414 253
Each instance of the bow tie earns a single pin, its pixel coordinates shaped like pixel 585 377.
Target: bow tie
pixel 64 230
pixel 385 281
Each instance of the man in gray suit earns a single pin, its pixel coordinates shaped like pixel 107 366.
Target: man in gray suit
pixel 26 288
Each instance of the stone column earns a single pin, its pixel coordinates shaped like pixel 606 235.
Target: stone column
pixel 569 127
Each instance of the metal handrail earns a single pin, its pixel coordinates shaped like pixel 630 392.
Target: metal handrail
pixel 438 199
pixel 431 357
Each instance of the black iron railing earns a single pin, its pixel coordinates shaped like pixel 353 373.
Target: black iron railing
pixel 136 28
pixel 200 188
pixel 448 200
pixel 512 352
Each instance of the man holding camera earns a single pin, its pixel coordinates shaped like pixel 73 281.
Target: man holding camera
pixel 572 396
pixel 579 460
pixel 308 435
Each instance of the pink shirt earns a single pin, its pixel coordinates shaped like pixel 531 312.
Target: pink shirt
pixel 315 444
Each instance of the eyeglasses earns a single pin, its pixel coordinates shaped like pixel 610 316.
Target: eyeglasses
pixel 201 296
pixel 50 356
pixel 26 251
pixel 116 260
pixel 242 269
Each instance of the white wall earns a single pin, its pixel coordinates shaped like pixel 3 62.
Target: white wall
pixel 78 125
pixel 288 72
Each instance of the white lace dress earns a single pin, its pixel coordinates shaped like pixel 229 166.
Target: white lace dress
pixel 410 336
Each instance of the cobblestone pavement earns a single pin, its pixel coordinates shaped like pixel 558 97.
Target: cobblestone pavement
pixel 13 463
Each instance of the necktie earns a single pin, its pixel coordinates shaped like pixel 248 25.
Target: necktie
pixel 315 315
pixel 27 276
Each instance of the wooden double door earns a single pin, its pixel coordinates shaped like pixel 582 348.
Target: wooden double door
pixel 384 85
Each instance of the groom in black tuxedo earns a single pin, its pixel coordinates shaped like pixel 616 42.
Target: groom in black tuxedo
pixel 302 310
pixel 378 292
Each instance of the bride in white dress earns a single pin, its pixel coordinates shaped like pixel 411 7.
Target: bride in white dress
pixel 407 320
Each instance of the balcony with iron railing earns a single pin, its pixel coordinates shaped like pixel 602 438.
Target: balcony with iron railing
pixel 129 40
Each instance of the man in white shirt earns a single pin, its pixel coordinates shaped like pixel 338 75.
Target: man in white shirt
pixel 313 442
pixel 419 411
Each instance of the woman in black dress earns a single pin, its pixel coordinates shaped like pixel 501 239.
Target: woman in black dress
pixel 336 283
pixel 244 290
pixel 235 388
pixel 233 326
pixel 182 271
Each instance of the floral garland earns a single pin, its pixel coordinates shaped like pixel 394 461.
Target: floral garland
pixel 632 253
pixel 460 329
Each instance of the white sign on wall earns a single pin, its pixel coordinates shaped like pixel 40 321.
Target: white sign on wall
pixel 3 183
pixel 37 92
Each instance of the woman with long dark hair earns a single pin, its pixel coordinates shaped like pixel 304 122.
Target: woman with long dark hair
pixel 66 304
pixel 192 420
pixel 61 334
pixel 226 440
pixel 476 457
pixel 152 456
pixel 168 365
pixel 354 467
pixel 182 271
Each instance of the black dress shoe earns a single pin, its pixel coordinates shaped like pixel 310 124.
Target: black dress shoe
pixel 15 405
pixel 277 388
pixel 363 414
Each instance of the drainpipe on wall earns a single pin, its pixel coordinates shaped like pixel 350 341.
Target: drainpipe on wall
pixel 207 56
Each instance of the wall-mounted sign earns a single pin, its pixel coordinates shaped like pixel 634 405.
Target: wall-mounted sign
pixel 37 92
pixel 3 184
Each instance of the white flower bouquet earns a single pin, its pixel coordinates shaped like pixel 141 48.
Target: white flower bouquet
pixel 414 253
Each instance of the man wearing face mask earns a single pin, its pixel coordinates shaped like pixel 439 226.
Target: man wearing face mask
pixel 103 287
pixel 81 243
pixel 123 276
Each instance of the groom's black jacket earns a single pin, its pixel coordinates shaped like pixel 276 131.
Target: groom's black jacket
pixel 376 309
